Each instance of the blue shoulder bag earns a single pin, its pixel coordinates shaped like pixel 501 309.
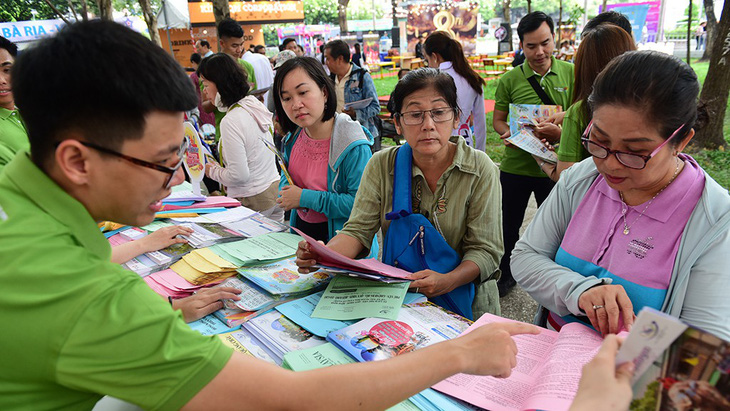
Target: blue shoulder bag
pixel 413 244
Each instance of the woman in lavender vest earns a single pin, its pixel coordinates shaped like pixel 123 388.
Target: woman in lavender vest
pixel 640 224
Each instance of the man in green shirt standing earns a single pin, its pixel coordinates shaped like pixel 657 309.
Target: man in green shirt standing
pixel 76 326
pixel 13 137
pixel 520 175
pixel 230 35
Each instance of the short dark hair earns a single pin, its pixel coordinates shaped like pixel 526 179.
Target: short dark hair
pixel 316 72
pixel 287 41
pixel 110 97
pixel 660 86
pixel 195 58
pixel 338 48
pixel 9 46
pixel 612 17
pixel 228 28
pixel 205 43
pixel 259 48
pixel 418 80
pixel 228 76
pixel 532 22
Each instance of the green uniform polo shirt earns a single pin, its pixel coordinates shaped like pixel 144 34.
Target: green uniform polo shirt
pixel 13 136
pixel 514 88
pixel 574 124
pixel 76 326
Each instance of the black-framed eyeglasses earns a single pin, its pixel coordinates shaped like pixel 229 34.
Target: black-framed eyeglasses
pixel 630 160
pixel 170 171
pixel 438 115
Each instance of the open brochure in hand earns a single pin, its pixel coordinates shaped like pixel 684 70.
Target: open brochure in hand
pixel 546 377
pixel 693 374
pixel 523 118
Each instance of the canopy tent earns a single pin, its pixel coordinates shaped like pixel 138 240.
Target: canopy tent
pixel 173 14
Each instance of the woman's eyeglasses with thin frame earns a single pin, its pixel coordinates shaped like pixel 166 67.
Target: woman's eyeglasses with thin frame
pixel 630 160
pixel 438 115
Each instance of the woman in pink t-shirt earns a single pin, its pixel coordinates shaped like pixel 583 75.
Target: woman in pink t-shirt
pixel 324 152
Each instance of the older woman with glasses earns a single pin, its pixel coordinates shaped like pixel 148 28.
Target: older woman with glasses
pixel 454 187
pixel 640 224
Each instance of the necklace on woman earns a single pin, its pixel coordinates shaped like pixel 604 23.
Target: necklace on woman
pixel 624 206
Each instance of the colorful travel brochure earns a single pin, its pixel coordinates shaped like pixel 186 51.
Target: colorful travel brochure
pixel 523 118
pixel 283 278
pixel 280 335
pixel 418 325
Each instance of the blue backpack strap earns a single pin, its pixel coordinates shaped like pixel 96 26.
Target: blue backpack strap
pixel 402 183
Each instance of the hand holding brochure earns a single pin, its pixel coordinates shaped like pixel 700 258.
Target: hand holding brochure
pixel 523 119
pixel 332 258
pixel 358 105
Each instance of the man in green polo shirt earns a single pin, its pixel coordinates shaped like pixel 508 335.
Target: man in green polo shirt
pixel 520 175
pixel 13 137
pixel 76 326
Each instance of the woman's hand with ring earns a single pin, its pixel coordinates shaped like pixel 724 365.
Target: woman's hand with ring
pixel 611 305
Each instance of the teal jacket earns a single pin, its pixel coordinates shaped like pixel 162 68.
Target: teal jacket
pixel 349 153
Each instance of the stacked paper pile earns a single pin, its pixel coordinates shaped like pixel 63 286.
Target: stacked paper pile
pixel 203 266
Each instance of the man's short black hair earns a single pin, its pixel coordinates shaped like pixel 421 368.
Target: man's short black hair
pixel 287 41
pixel 338 48
pixel 205 43
pixel 532 22
pixel 195 58
pixel 259 48
pixel 612 17
pixel 102 85
pixel 228 28
pixel 9 46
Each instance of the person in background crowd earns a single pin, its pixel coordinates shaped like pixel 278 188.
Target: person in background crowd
pixel 612 17
pixel 204 117
pixel 299 51
pixel 447 55
pixel 231 42
pixel 202 47
pixel 289 44
pixel 13 136
pixel 260 49
pixel 453 185
pixel 352 84
pixel 262 69
pixel 325 152
pixel 520 176
pixel 565 50
pixel 357 56
pixel 248 168
pixel 419 49
pixel 597 48
pixel 640 224
pixel 320 58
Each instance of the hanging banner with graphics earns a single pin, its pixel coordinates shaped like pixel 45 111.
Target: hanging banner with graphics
pixel 459 19
pixel 644 18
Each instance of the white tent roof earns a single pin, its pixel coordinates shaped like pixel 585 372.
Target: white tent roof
pixel 176 11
